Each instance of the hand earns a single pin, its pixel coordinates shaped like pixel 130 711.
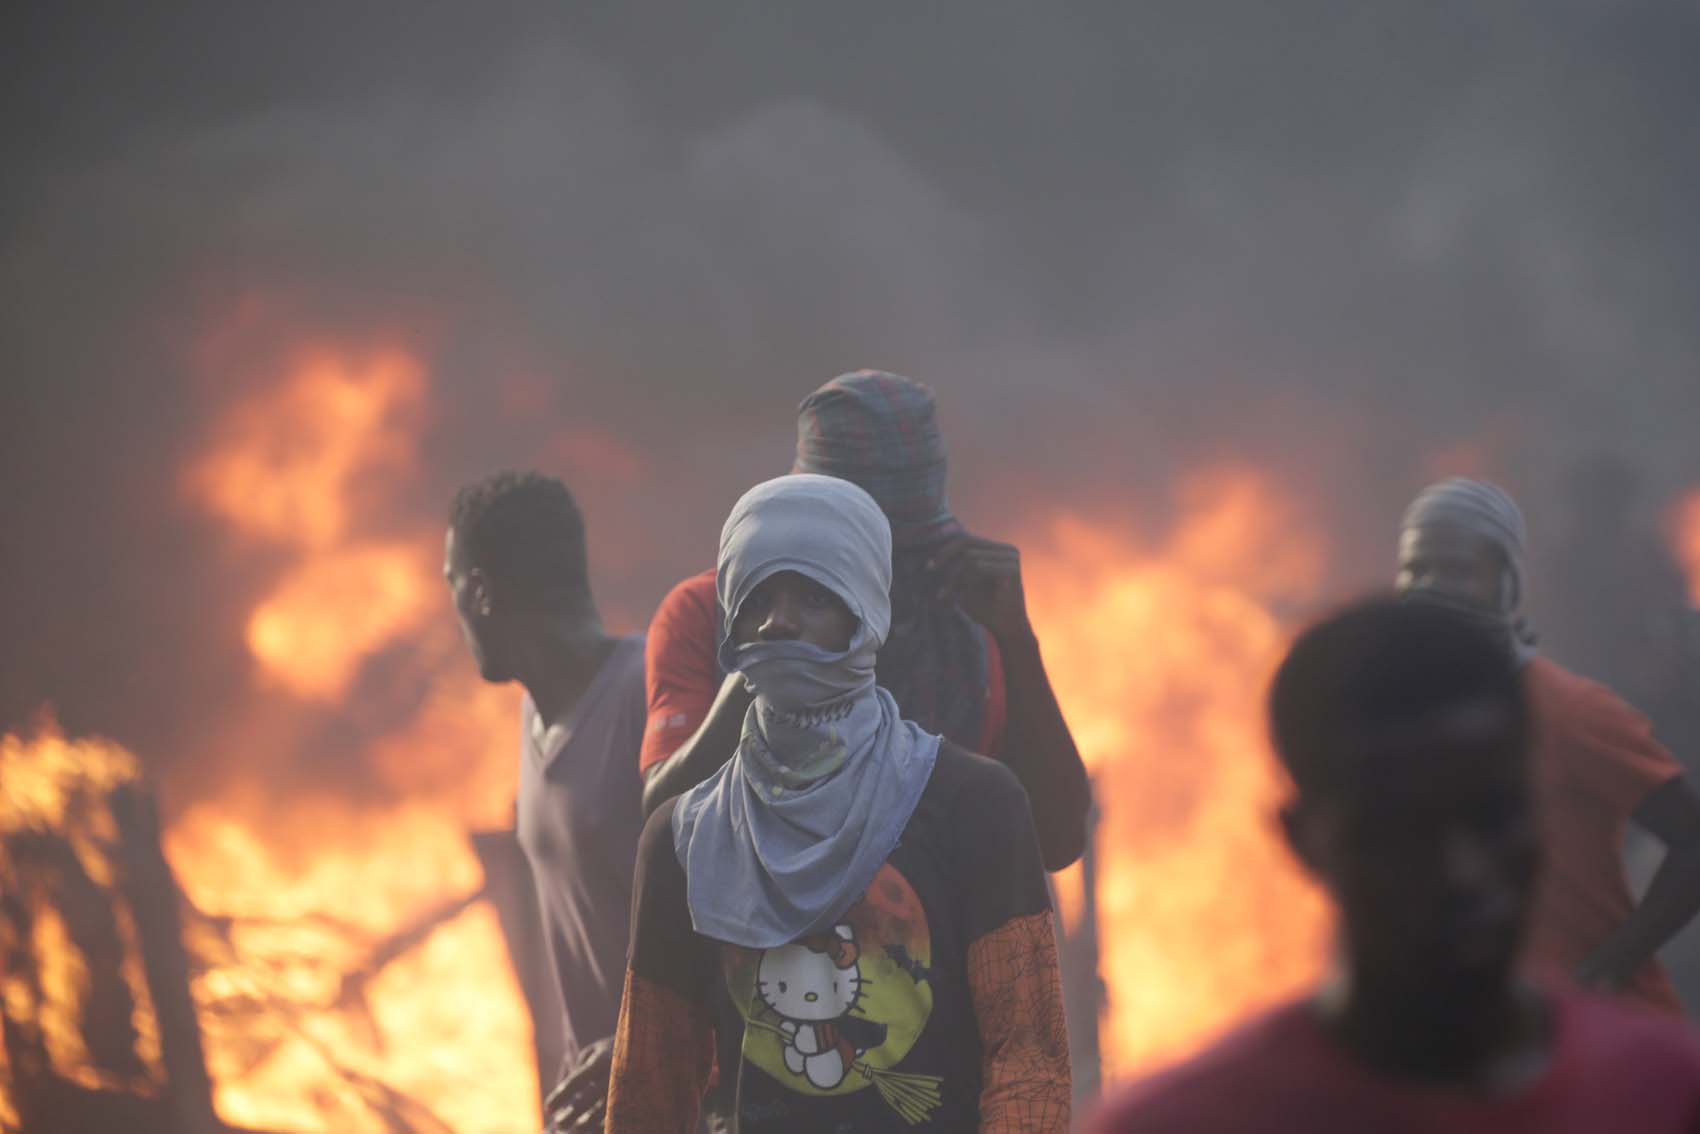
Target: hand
pixel 983 577
pixel 580 1101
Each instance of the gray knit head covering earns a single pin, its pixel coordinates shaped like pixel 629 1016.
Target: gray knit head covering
pixel 1488 511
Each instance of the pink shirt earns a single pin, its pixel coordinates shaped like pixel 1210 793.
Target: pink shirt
pixel 1615 1069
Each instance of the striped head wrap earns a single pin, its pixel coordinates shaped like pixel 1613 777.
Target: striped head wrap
pixel 880 431
pixel 1487 511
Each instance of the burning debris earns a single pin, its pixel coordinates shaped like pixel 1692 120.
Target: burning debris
pixel 99 1030
pixel 117 986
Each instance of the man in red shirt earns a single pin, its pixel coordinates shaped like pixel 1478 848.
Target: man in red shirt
pixel 1596 762
pixel 1406 732
pixel 962 660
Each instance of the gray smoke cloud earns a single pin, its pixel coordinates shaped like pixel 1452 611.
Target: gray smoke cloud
pixel 1121 241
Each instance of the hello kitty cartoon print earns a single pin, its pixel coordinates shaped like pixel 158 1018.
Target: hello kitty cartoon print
pixel 834 1013
pixel 812 986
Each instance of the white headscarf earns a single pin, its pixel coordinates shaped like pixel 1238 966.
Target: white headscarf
pixel 786 836
pixel 1488 511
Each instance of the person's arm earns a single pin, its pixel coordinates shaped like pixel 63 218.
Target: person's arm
pixel 1013 980
pixel 690 731
pixel 663 1043
pixel 1672 813
pixel 1017 991
pixel 710 746
pixel 984 578
pixel 660 1062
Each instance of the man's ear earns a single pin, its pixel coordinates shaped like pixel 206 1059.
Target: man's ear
pixel 478 584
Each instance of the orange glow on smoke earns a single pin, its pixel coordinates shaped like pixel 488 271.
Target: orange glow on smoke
pixel 1685 540
pixel 433 1035
pixel 337 609
pixel 1160 653
pixel 293 465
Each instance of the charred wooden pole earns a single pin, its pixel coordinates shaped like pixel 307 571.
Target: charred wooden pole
pixel 151 890
pixel 26 1049
pixel 1083 986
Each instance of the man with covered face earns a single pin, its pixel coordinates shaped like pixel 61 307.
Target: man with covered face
pixel 1596 762
pixel 961 657
pixel 1405 730
pixel 849 919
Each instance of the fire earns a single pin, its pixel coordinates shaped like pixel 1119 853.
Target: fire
pixel 294 465
pixel 353 979
pixel 336 610
pixel 304 1008
pixel 54 794
pixel 1685 539
pixel 1160 652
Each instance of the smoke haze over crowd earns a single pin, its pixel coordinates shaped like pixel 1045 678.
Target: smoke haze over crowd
pixel 1355 247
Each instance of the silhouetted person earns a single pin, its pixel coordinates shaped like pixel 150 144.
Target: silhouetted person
pixel 1405 731
pixel 1596 762
pixel 516 567
pixel 962 659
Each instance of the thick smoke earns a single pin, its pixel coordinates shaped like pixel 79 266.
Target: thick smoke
pixel 1122 242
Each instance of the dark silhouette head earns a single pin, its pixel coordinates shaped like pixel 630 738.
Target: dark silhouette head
pixel 514 558
pixel 1405 732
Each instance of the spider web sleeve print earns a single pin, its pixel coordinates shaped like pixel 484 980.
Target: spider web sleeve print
pixel 662 1050
pixel 1012 965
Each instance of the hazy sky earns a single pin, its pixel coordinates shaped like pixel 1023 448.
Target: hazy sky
pixel 1121 240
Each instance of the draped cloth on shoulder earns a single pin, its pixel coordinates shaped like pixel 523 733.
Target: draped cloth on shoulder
pixel 785 837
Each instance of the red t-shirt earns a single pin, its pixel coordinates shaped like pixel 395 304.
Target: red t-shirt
pixel 1614 1070
pixel 1595 760
pixel 682 674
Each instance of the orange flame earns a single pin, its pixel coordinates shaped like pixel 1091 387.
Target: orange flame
pixel 444 1024
pixel 293 466
pixel 1159 655
pixel 1685 540
pixel 311 891
pixel 52 785
pixel 336 610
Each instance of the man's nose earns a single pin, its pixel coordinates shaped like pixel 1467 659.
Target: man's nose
pixel 782 622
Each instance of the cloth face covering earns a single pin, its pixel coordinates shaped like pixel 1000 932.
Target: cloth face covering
pixel 880 431
pixel 785 837
pixel 1487 511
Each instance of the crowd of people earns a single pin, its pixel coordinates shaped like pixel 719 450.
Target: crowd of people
pixel 790 847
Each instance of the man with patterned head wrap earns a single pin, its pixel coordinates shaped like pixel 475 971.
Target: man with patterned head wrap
pixel 849 919
pixel 1596 762
pixel 961 659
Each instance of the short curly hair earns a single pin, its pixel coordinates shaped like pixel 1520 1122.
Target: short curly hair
pixel 1373 670
pixel 525 531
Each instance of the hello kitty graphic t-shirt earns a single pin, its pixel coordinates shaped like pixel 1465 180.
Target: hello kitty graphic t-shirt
pixel 931 1004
